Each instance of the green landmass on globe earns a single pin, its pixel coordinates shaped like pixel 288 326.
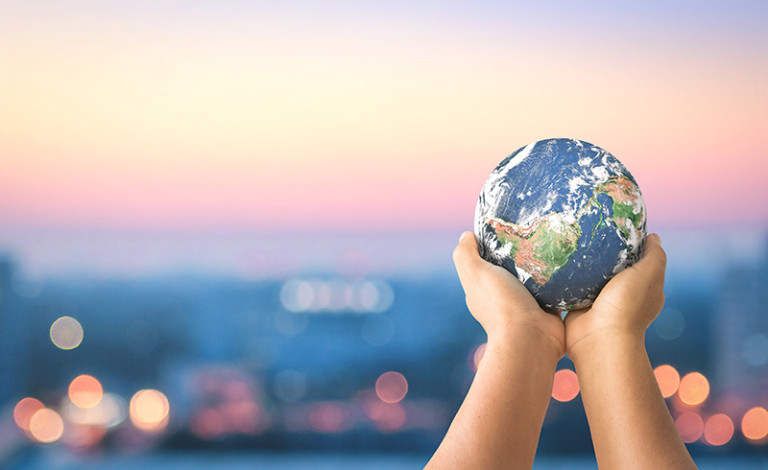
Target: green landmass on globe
pixel 547 244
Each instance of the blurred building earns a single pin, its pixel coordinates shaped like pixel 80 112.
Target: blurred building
pixel 741 323
pixel 13 337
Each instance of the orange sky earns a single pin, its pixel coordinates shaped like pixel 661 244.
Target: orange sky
pixel 355 118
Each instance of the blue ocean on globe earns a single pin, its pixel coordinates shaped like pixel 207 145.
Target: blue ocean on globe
pixel 564 216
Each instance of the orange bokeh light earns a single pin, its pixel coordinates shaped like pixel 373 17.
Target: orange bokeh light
pixel 85 391
pixel 754 424
pixel 24 410
pixel 694 389
pixel 690 425
pixel 668 379
pixel 718 429
pixel 46 426
pixel 565 386
pixel 149 410
pixel 391 387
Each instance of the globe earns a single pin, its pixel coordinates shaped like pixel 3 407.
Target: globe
pixel 564 216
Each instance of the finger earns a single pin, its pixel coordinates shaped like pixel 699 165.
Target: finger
pixel 467 258
pixel 654 258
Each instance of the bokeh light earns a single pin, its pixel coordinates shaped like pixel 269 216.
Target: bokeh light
pixel 336 295
pixel 754 424
pixel 476 356
pixel 66 333
pixel 690 425
pixel 718 429
pixel 290 385
pixel 755 350
pixel 46 426
pixel 109 412
pixel 85 391
pixel 83 436
pixel 391 387
pixel 149 410
pixel 329 418
pixel 694 389
pixel 387 417
pixel 24 410
pixel 207 423
pixel 670 324
pixel 668 379
pixel 565 386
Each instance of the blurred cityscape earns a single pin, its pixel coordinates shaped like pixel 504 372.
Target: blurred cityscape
pixel 341 360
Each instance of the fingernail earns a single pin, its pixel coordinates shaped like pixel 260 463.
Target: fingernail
pixel 658 238
pixel 464 235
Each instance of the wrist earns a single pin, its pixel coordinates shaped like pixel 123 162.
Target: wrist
pixel 525 340
pixel 606 341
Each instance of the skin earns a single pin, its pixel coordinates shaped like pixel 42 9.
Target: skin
pixel 491 429
pixel 630 424
pixel 499 423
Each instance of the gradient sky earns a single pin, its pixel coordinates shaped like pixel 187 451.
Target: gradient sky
pixel 362 116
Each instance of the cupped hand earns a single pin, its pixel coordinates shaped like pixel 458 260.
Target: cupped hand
pixel 500 302
pixel 627 305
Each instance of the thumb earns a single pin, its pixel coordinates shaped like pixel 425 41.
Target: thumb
pixel 654 260
pixel 467 259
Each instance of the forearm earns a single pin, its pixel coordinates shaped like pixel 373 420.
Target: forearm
pixel 499 422
pixel 630 423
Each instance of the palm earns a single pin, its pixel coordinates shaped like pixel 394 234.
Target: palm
pixel 617 306
pixel 527 310
pixel 499 301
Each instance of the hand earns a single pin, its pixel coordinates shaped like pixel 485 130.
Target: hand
pixel 500 302
pixel 626 306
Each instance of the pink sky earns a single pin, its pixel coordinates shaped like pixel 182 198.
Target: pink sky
pixel 345 119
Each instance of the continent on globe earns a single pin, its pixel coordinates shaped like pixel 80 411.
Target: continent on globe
pixel 564 216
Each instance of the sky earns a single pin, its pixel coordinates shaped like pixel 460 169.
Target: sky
pixel 366 117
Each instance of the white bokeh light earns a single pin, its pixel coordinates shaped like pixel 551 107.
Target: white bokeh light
pixel 66 333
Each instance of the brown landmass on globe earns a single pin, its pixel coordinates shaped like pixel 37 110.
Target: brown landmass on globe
pixel 547 243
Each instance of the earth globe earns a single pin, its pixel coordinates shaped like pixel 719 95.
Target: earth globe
pixel 564 216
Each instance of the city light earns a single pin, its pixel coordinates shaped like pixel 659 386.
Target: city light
pixel 668 379
pixel 46 426
pixel 24 409
pixel 754 424
pixel 690 425
pixel 336 295
pixel 85 391
pixel 694 389
pixel 754 350
pixel 565 386
pixel 670 324
pixel 387 417
pixel 83 436
pixel 149 410
pixel 108 413
pixel 207 423
pixel 391 387
pixel 290 385
pixel 66 333
pixel 328 418
pixel 718 429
